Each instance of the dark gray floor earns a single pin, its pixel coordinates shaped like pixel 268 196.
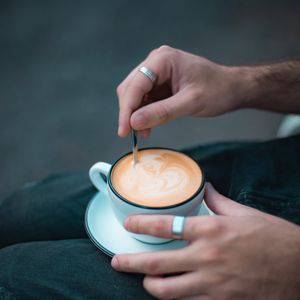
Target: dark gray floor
pixel 60 63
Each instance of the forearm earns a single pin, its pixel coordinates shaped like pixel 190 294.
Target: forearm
pixel 273 87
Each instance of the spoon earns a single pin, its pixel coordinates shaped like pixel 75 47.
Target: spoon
pixel 134 147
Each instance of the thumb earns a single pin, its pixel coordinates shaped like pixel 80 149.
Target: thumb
pixel 159 112
pixel 222 205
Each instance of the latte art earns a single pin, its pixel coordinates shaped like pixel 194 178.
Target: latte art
pixel 155 176
pixel 160 178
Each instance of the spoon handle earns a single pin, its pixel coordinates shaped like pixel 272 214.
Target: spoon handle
pixel 134 146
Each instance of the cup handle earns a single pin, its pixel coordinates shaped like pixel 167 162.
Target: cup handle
pixel 98 169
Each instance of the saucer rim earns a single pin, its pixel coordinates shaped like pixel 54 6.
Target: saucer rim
pixel 89 233
pixel 97 243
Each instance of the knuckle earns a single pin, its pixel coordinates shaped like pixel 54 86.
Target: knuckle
pixel 136 86
pixel 162 113
pixel 137 225
pixel 153 52
pixel 120 89
pixel 194 96
pixel 218 279
pixel 195 99
pixel 195 229
pixel 218 226
pixel 158 227
pixel 134 224
pixel 210 228
pixel 213 228
pixel 164 49
pixel 211 255
pixel 152 266
pixel 161 50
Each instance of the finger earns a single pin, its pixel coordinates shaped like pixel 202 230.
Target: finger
pixel 138 85
pixel 155 263
pixel 122 86
pixel 222 205
pixel 130 76
pixel 161 226
pixel 175 287
pixel 160 112
pixel 124 126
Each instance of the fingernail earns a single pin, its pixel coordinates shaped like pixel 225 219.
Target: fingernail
pixel 139 120
pixel 115 263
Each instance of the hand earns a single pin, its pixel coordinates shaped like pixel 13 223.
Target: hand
pixel 187 85
pixel 239 254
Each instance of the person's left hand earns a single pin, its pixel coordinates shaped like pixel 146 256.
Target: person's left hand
pixel 240 254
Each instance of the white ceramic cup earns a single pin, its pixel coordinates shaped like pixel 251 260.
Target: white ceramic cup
pixel 100 175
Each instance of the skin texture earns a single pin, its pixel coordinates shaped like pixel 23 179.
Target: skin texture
pixel 183 79
pixel 190 85
pixel 239 254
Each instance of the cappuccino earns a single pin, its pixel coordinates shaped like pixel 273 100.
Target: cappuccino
pixel 161 178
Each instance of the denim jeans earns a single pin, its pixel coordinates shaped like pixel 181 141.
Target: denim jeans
pixel 46 254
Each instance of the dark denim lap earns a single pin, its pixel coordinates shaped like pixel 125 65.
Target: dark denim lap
pixel 52 258
pixel 263 175
pixel 52 209
pixel 68 269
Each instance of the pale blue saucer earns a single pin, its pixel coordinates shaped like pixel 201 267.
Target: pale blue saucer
pixel 110 237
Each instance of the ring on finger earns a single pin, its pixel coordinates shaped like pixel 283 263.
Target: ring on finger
pixel 178 226
pixel 148 73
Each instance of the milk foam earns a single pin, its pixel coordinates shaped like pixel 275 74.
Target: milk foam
pixel 160 178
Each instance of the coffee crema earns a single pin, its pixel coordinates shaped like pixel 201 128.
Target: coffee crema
pixel 161 178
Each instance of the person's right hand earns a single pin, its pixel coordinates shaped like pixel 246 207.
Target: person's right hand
pixel 186 85
pixel 241 253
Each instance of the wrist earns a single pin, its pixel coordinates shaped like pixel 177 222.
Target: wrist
pixel 245 87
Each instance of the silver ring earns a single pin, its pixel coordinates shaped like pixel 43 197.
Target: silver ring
pixel 178 226
pixel 147 72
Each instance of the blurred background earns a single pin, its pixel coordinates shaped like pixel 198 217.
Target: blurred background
pixel 60 63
